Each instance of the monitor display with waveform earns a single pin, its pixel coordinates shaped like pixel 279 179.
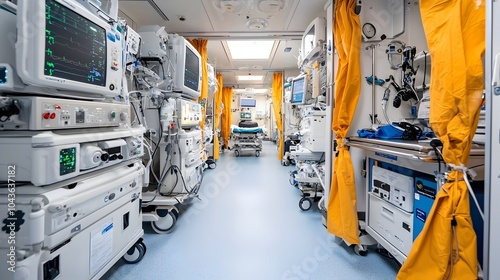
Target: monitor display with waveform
pixel 75 47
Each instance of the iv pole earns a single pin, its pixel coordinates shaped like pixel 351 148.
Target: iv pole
pixel 373 115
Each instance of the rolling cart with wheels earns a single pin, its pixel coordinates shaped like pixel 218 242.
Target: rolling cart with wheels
pixel 247 139
pixel 163 213
pixel 135 253
pixel 311 192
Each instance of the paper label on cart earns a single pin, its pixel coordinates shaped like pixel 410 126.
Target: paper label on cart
pixel 101 247
pixel 421 215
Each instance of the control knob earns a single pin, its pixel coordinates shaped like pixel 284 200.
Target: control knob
pixel 124 116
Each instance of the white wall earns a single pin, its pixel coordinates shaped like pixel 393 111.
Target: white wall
pixel 261 105
pixel 292 73
pixel 413 36
pixel 129 20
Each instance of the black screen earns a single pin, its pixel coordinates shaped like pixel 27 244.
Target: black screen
pixel 3 75
pixel 192 70
pixel 75 48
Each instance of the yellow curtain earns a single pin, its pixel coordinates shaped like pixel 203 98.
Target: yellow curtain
pixel 217 114
pixel 201 46
pixel 227 100
pixel 455 30
pixel 277 102
pixel 342 219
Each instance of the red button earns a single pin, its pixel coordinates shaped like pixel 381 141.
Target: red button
pixel 52 116
pixel 46 116
pixel 57 107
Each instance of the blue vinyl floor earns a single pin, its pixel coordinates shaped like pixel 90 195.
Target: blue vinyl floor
pixel 248 226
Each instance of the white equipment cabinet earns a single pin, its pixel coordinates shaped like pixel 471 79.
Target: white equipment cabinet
pixel 314 131
pixel 398 203
pixel 77 229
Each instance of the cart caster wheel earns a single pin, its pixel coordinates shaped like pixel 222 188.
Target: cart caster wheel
pixel 360 250
pixel 143 246
pixel 135 254
pixel 164 224
pixel 291 180
pixel 237 153
pixel 286 162
pixel 175 212
pixel 305 203
pixel 257 153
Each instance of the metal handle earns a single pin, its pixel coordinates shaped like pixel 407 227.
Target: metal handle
pixel 496 75
pixel 392 152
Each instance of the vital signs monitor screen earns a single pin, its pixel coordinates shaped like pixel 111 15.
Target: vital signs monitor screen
pixel 75 47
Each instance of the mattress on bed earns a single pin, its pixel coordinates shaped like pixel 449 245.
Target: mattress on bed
pixel 237 129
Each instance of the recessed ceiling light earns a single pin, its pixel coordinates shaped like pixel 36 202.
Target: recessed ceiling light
pixel 260 90
pixel 271 6
pixel 250 78
pixel 257 24
pixel 250 49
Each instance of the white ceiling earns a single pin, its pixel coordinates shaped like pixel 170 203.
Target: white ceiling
pixel 203 19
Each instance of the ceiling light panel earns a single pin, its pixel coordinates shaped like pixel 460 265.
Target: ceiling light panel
pixel 250 49
pixel 250 78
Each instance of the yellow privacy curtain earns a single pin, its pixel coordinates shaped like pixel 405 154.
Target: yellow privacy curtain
pixel 201 46
pixel 455 31
pixel 342 219
pixel 277 101
pixel 227 100
pixel 217 114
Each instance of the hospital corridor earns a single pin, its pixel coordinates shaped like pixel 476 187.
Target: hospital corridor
pixel 239 230
pixel 249 139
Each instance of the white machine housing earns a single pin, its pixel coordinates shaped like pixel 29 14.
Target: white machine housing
pixel 76 232
pixel 46 158
pixel 186 61
pixel 9 79
pixel 132 46
pixel 59 211
pixel 312 41
pixel 110 9
pixel 42 113
pixel 153 42
pixel 393 187
pixel 313 132
pixel 189 113
pixel 393 223
pixel 31 53
pixel 189 161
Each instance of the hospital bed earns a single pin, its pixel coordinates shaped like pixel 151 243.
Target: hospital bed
pixel 247 139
